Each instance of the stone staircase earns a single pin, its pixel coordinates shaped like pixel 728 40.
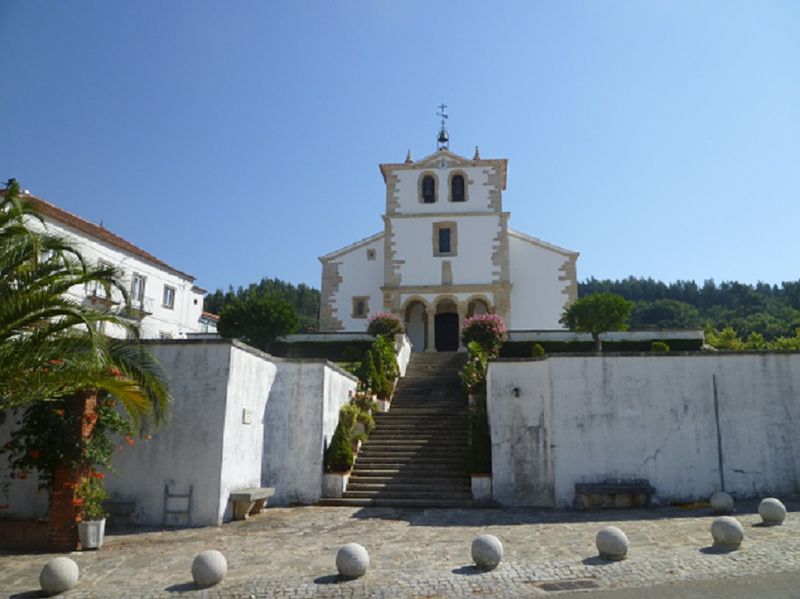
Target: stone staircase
pixel 416 457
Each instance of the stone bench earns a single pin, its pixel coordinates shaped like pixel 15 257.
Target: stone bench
pixel 250 501
pixel 617 494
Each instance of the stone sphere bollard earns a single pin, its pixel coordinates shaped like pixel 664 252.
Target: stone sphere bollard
pixel 58 575
pixel 721 503
pixel 727 532
pixel 612 544
pixel 208 568
pixel 772 511
pixel 487 551
pixel 352 560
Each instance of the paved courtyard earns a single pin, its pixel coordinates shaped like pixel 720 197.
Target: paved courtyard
pixel 290 552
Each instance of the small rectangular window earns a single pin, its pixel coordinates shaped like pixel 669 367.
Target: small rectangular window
pixel 98 289
pixel 169 297
pixel 371 254
pixel 137 289
pixel 444 241
pixel 360 307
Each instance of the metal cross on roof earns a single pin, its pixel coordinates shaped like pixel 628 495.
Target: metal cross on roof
pixel 443 140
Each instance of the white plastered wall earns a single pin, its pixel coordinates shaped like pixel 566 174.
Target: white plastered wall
pixel 472 264
pixel 645 417
pixel 477 190
pixel 538 296
pixel 361 277
pixel 182 318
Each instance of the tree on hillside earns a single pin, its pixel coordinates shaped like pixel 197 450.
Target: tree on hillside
pixel 257 319
pixel 664 314
pixel 597 314
pixel 303 298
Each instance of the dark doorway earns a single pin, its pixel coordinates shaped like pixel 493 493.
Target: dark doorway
pixel 446 332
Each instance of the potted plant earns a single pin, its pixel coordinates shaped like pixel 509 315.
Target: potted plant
pixel 90 497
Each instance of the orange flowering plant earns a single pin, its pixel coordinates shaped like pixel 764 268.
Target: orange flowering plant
pixel 48 436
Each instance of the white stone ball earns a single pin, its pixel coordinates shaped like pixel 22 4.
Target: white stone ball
pixel 612 544
pixel 727 532
pixel 352 560
pixel 58 575
pixel 208 568
pixel 772 511
pixel 721 503
pixel 487 551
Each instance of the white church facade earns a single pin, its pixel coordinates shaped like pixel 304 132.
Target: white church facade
pixel 446 252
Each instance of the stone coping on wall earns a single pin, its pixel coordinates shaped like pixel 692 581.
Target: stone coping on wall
pixel 321 337
pixel 252 350
pixel 650 354
pixel 631 335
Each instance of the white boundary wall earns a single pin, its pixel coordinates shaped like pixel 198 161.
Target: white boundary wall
pixel 597 418
pixel 238 414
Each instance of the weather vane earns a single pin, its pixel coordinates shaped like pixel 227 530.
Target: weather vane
pixel 443 140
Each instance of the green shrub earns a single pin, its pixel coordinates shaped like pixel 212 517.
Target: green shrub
pixel 537 351
pixel 659 346
pixel 384 324
pixel 340 457
pixel 479 453
pixel 473 374
pixel 352 354
pixel 488 330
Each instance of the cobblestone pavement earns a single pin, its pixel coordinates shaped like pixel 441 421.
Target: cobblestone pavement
pixel 290 552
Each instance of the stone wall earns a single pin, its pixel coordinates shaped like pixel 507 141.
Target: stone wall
pixel 683 422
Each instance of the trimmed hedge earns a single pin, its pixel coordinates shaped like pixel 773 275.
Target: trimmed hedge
pixel 522 349
pixel 335 351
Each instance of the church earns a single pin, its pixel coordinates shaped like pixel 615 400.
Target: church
pixel 446 252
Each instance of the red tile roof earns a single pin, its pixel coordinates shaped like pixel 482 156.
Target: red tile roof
pixel 210 315
pixel 49 211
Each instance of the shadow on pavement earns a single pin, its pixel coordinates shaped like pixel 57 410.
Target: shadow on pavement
pixel 182 587
pixel 480 517
pixel 28 594
pixel 468 570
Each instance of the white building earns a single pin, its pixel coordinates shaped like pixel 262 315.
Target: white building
pixel 446 252
pixel 164 301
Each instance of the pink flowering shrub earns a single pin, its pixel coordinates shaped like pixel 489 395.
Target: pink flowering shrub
pixel 384 324
pixel 487 330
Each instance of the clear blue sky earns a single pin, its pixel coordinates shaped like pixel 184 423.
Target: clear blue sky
pixel 237 140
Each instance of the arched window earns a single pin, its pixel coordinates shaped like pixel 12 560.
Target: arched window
pixel 428 189
pixel 457 189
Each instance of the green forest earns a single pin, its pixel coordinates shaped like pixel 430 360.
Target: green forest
pixel 771 311
pixel 733 310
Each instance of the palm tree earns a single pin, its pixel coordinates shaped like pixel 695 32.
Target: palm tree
pixel 50 342
pixel 52 347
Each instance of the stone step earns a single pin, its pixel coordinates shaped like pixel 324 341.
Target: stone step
pixel 410 466
pixel 418 483
pixel 449 495
pixel 405 474
pixel 405 503
pixel 409 487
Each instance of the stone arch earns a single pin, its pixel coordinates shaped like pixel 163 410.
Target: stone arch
pixel 479 304
pixel 415 317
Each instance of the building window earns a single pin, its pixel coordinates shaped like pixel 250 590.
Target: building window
pixel 428 189
pixel 360 307
pixel 457 189
pixel 164 335
pixel 444 239
pixel 371 254
pixel 137 290
pixel 97 289
pixel 169 297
